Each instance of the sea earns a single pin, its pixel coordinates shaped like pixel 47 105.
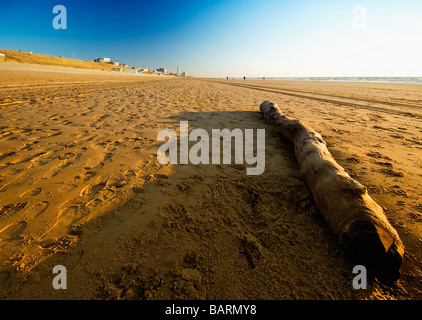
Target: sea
pixel 341 79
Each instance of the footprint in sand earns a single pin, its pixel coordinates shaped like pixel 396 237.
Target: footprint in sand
pixel 66 156
pixel 92 190
pixel 31 192
pixel 86 175
pixel 11 209
pixel 70 144
pixel 38 159
pixel 93 203
pixel 22 160
pixel 156 177
pixel 7 154
pixel 97 161
pixel 392 172
pixel 36 210
pixel 21 178
pixel 55 170
pixel 66 122
pixel 63 222
pixel 107 156
pixel 49 135
pixel 13 231
pixel 377 155
pixel 29 145
pixel 120 180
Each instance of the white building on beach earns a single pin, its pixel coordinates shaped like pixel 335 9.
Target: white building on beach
pixel 105 60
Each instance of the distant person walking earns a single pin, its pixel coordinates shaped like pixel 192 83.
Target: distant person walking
pixel 244 78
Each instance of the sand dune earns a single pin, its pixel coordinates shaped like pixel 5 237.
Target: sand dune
pixel 46 60
pixel 80 185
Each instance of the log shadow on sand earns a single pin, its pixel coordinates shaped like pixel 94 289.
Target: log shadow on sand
pixel 209 232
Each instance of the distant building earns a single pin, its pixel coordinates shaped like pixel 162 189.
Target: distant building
pixel 114 63
pixel 161 70
pixel 184 74
pixel 2 57
pixel 147 71
pixel 117 69
pixel 125 65
pixel 106 60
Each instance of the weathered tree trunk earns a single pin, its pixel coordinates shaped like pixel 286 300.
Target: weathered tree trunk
pixel 360 223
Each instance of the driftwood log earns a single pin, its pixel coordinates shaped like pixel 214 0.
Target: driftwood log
pixel 364 231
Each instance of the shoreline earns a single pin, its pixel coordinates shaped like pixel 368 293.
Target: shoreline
pixel 321 80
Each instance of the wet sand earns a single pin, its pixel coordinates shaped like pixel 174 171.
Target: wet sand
pixel 80 186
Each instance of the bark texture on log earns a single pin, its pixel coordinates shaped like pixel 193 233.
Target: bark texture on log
pixel 359 222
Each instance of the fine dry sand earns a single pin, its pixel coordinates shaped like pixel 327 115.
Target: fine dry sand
pixel 80 186
pixel 34 59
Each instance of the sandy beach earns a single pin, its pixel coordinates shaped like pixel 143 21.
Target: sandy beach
pixel 80 186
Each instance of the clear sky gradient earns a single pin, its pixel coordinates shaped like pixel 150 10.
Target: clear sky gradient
pixel 272 38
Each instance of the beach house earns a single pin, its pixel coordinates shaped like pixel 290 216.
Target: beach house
pixel 106 60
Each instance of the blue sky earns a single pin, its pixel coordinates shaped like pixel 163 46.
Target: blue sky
pixel 228 38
